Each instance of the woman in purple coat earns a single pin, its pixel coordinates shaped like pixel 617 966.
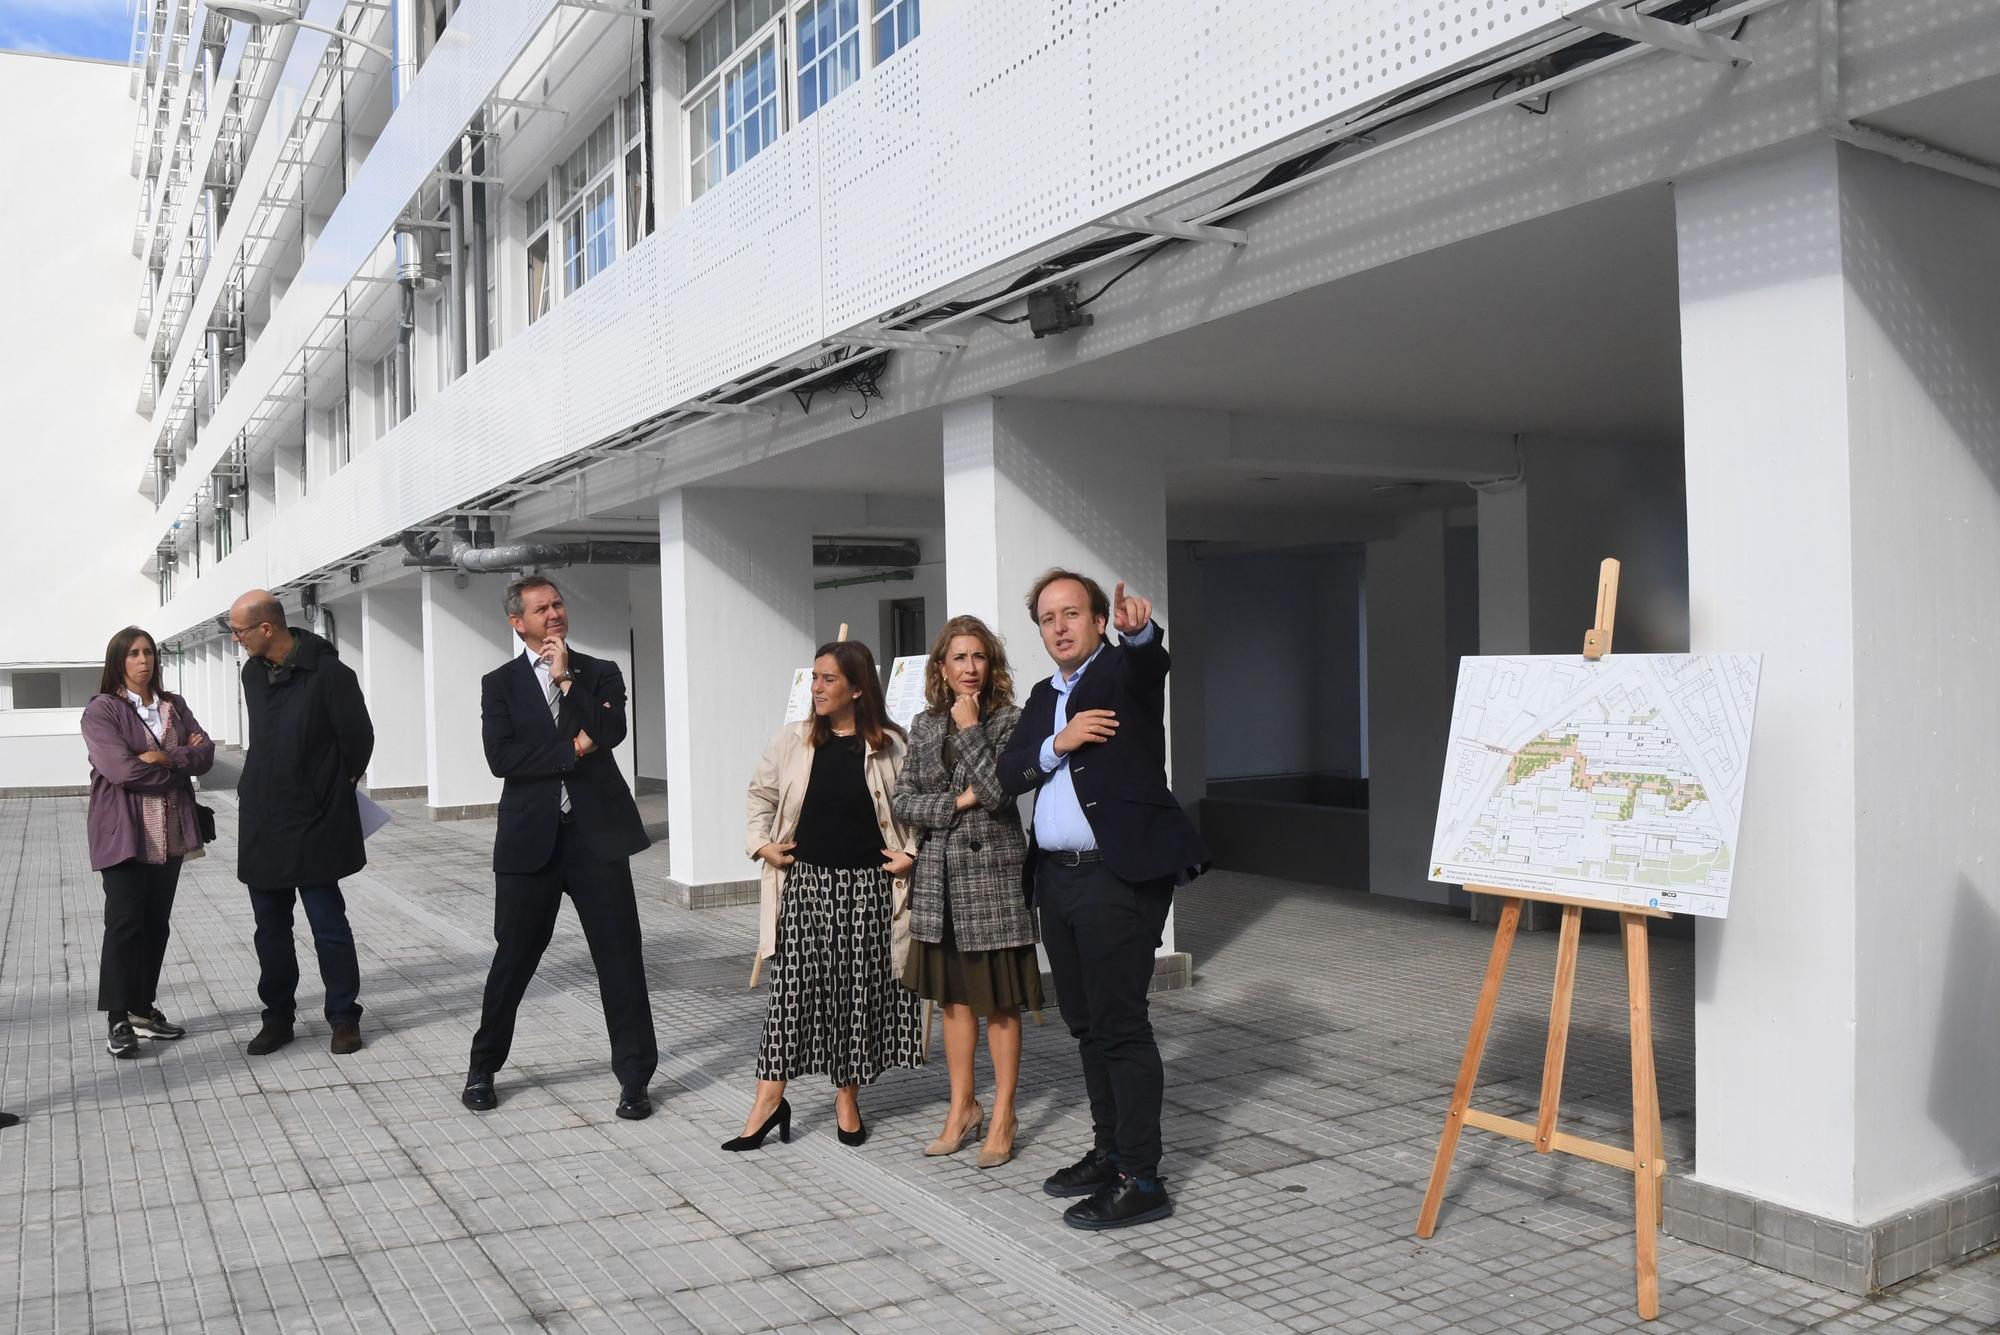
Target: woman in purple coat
pixel 144 745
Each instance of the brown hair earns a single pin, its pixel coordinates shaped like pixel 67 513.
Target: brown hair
pixel 113 680
pixel 1100 606
pixel 999 689
pixel 871 716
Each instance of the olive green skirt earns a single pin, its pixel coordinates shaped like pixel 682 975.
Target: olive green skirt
pixel 988 981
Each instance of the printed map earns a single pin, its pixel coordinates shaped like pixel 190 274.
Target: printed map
pixel 1619 781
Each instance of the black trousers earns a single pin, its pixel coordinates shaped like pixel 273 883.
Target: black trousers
pixel 524 919
pixel 138 902
pixel 1101 933
pixel 278 960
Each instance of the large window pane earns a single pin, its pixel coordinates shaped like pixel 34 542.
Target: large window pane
pixel 829 50
pixel 897 23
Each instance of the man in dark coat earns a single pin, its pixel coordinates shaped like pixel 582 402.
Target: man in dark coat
pixel 1109 844
pixel 300 826
pixel 550 719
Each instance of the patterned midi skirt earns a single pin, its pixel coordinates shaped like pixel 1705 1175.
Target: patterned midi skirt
pixel 836 1006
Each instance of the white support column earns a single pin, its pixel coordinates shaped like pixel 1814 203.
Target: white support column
pixel 1411 677
pixel 465 636
pixel 736 623
pixel 599 602
pixel 1840 340
pixel 1030 484
pixel 391 668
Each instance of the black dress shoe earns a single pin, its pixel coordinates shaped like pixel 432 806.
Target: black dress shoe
pixel 479 1095
pixel 9 1119
pixel 1093 1172
pixel 1121 1205
pixel 634 1105
pixel 269 1039
pixel 346 1039
pixel 852 1138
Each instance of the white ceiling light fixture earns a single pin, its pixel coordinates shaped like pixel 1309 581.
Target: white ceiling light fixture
pixel 265 14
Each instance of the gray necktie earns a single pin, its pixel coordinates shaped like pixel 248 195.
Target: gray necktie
pixel 555 712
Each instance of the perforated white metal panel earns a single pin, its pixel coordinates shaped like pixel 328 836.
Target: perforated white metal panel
pixel 743 269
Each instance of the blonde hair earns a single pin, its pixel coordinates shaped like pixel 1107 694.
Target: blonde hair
pixel 999 689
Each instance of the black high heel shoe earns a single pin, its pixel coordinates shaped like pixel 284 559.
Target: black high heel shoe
pixel 782 1119
pixel 852 1137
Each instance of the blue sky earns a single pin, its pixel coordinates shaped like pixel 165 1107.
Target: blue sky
pixel 100 28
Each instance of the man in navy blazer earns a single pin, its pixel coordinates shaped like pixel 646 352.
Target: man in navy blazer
pixel 1108 847
pixel 551 719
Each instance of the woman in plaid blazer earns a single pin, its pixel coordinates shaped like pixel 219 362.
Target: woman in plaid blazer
pixel 972 939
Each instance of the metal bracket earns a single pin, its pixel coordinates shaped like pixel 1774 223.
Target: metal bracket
pixel 730 409
pixel 1676 37
pixel 603 7
pixel 1185 231
pixel 915 340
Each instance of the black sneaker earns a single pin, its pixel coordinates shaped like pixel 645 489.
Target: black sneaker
pixel 1085 1177
pixel 1121 1205
pixel 156 1025
pixel 123 1042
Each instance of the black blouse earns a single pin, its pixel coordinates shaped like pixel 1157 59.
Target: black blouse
pixel 837 825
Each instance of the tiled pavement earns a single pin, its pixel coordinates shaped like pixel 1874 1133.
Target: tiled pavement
pixel 197 1189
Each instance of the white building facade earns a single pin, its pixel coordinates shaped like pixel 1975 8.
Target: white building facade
pixel 1352 332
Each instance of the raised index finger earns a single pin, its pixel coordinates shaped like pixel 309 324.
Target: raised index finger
pixel 1118 595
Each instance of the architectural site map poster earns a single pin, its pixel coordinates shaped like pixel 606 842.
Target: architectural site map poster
pixel 1619 780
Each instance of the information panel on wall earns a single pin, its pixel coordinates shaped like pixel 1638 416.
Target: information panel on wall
pixel 1619 780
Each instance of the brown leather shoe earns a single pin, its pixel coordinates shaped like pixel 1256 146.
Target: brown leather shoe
pixel 346 1039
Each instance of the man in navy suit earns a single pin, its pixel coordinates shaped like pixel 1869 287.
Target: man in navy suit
pixel 551 719
pixel 1108 847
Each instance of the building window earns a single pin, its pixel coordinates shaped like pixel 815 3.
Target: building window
pixel 633 111
pixel 742 57
pixel 829 54
pixel 586 208
pixel 897 24
pixel 384 385
pixel 538 254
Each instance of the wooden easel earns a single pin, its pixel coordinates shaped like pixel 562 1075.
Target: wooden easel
pixel 1645 1160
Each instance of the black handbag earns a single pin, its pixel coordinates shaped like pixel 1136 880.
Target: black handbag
pixel 204 823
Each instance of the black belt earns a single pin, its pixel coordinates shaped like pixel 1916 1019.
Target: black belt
pixel 1072 858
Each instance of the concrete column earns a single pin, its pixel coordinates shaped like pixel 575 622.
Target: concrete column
pixel 736 617
pixel 465 636
pixel 1503 571
pixel 599 602
pixel 1838 320
pixel 649 731
pixel 1030 484
pixel 1411 676
pixel 391 668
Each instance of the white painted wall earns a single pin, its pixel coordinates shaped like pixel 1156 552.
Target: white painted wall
pixel 43 748
pixel 1771 557
pixel 466 635
pixel 736 616
pixel 70 364
pixel 865 607
pixel 648 687
pixel 391 667
pixel 1922 317
pixel 1031 484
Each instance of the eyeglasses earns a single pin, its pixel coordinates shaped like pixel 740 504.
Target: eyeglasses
pixel 238 632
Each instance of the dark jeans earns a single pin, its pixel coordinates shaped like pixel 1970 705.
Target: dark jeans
pixel 138 901
pixel 278 962
pixel 1101 933
pixel 525 906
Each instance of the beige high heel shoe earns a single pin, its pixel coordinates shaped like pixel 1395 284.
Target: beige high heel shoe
pixel 994 1158
pixel 944 1145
